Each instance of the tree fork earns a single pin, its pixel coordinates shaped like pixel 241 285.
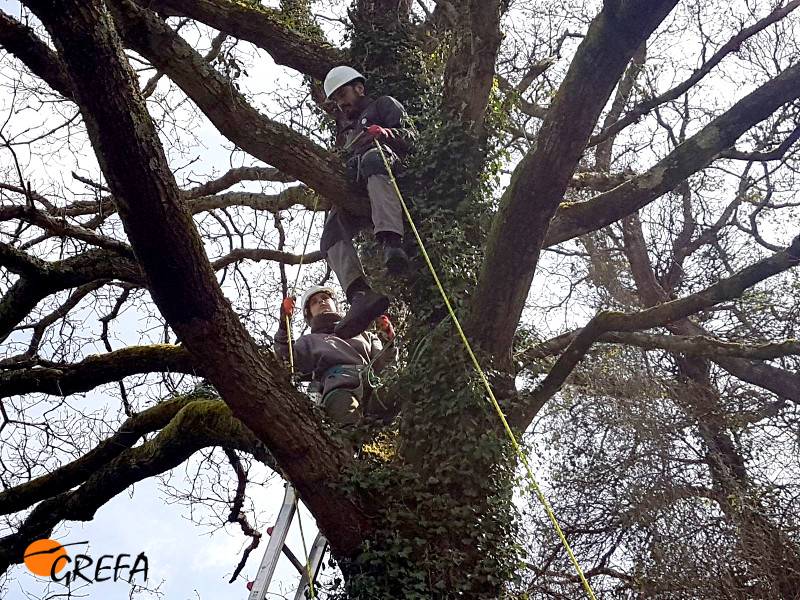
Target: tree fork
pixel 180 277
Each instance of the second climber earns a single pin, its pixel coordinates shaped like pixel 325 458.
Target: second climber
pixel 336 364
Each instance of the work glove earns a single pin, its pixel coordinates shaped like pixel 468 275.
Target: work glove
pixel 376 132
pixel 385 327
pixel 366 140
pixel 287 308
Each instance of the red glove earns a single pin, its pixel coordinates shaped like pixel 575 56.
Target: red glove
pixel 376 132
pixel 287 308
pixel 385 325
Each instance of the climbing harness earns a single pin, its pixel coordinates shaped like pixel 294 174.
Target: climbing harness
pixel 485 382
pixel 368 381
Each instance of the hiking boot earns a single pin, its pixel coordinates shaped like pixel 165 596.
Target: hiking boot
pixel 396 260
pixel 365 307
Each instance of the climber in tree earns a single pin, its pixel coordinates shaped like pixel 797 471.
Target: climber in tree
pixel 335 364
pixel 385 120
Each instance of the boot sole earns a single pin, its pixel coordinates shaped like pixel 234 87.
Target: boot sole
pixel 356 325
pixel 397 266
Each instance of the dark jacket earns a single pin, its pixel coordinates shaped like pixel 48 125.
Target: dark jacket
pixel 386 112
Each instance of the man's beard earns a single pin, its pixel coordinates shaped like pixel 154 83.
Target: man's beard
pixel 325 322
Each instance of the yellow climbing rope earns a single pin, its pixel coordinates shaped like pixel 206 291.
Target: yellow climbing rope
pixel 305 549
pixel 294 285
pixel 499 410
pixel 291 367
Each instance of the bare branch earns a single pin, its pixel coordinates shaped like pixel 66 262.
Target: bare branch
pixel 689 157
pixel 65 379
pixel 199 424
pixel 658 316
pixel 776 154
pixel 258 254
pixel 731 46
pixel 237 175
pixel 22 42
pixel 231 114
pixel 68 476
pixel 262 26
pixel 291 196
pixel 41 279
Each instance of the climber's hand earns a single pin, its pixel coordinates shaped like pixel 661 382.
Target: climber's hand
pixel 385 327
pixel 287 308
pixel 376 132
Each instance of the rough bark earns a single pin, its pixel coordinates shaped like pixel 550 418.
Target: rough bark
pixel 471 63
pixel 266 28
pixel 22 42
pixel 180 277
pixel 539 182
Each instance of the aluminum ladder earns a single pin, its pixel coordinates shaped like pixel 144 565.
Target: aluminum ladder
pixel 276 545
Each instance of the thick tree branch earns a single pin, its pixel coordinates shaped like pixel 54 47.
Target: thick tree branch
pixel 691 156
pixel 700 345
pixel 470 68
pixel 66 379
pixel 298 194
pixel 703 345
pixel 237 175
pixel 658 316
pixel 265 27
pixel 257 254
pixel 199 424
pixel 231 114
pixel 731 46
pixel 180 278
pixel 539 182
pixel 22 42
pixel 60 228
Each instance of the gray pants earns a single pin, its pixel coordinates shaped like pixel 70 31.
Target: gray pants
pixel 341 227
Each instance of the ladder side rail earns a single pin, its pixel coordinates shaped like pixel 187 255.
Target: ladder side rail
pixel 274 547
pixel 315 560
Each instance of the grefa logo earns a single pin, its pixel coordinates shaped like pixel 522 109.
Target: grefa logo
pixel 48 558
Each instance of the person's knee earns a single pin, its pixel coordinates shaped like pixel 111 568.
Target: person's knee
pixel 372 164
pixel 342 407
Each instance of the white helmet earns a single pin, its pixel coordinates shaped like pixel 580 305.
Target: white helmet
pixel 339 76
pixel 310 292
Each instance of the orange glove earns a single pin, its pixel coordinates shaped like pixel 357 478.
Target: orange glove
pixel 287 308
pixel 385 326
